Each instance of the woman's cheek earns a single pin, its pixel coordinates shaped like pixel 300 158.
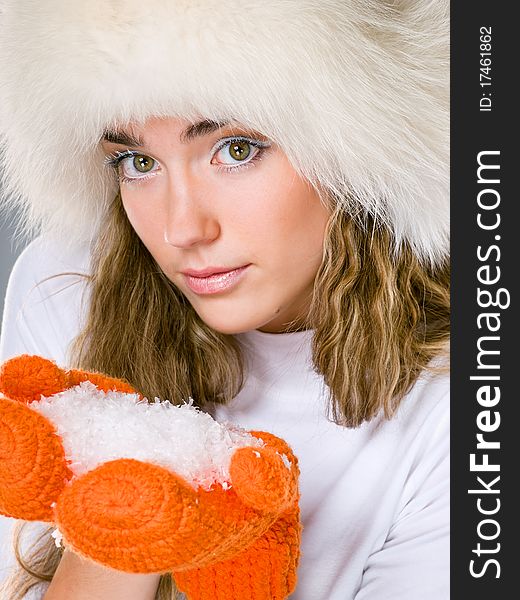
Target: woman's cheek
pixel 143 219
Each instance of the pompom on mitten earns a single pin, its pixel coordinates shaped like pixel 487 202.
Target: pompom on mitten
pixel 148 487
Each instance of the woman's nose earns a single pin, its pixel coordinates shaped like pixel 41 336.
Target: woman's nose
pixel 190 219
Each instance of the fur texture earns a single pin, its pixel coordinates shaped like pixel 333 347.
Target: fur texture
pixel 356 92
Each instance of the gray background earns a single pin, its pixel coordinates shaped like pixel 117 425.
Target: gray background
pixel 9 250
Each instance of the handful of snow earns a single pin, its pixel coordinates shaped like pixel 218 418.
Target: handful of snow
pixel 97 427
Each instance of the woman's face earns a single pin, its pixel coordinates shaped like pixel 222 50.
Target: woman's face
pixel 225 216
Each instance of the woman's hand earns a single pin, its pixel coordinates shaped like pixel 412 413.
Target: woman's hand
pixel 82 579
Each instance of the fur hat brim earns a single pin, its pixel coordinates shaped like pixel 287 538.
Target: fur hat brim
pixel 355 92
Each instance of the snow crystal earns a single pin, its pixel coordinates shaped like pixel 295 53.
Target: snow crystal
pixel 97 427
pixel 58 537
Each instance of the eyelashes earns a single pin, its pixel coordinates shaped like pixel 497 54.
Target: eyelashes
pixel 237 145
pixel 120 162
pixel 235 153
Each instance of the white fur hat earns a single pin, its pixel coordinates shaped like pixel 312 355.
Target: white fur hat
pixel 354 91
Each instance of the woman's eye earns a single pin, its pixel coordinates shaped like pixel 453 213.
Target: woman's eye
pixel 239 150
pixel 135 166
pixel 143 164
pixel 236 151
pixel 131 166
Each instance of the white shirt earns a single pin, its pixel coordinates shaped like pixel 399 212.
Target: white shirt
pixel 374 500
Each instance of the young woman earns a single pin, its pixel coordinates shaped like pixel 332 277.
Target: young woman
pixel 247 205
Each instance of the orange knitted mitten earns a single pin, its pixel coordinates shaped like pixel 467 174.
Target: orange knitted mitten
pixel 148 487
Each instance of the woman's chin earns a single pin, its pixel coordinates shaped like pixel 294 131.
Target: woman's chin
pixel 229 325
pixel 231 322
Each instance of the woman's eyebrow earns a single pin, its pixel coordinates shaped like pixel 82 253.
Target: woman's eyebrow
pixel 200 129
pixel 123 138
pixel 191 132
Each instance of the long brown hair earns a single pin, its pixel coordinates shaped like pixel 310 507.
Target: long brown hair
pixel 380 318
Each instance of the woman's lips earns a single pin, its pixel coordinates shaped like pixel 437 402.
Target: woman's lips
pixel 211 282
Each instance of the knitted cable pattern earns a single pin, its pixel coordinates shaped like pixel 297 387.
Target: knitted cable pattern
pixel 235 539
